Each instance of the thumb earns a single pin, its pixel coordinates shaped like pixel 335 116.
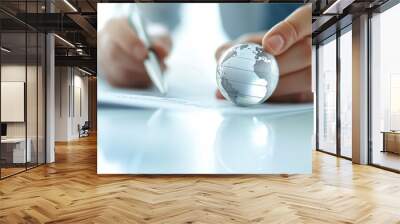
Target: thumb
pixel 288 32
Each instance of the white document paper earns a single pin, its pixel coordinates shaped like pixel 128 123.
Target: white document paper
pixel 225 107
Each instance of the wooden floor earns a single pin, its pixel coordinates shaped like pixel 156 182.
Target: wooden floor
pixel 5 172
pixel 387 159
pixel 69 191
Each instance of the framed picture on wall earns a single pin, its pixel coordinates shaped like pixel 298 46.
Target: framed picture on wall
pixel 12 101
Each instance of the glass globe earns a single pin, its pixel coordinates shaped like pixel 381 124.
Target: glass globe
pixel 247 75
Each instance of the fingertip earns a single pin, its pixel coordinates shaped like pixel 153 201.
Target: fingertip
pixel 218 53
pixel 160 51
pixel 221 50
pixel 273 43
pixel 162 47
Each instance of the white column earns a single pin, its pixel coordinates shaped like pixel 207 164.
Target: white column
pixel 314 90
pixel 50 99
pixel 360 90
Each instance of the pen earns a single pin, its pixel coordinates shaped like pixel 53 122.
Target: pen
pixel 151 64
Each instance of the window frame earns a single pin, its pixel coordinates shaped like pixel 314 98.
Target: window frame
pixel 333 37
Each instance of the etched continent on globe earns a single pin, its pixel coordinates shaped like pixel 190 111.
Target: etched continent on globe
pixel 247 75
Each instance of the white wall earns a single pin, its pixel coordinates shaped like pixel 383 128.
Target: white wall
pixel 33 126
pixel 62 81
pixel 11 73
pixel 81 89
pixel 70 83
pixel 14 73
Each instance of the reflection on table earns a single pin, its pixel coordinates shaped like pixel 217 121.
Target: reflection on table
pixel 202 142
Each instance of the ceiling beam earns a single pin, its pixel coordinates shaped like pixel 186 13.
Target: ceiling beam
pixel 79 61
pixel 49 22
pixel 85 25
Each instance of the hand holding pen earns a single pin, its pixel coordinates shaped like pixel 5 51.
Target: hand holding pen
pixel 124 53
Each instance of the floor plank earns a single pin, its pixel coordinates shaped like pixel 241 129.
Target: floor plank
pixel 70 191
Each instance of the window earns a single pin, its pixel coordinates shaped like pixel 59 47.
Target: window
pixel 346 95
pixel 22 88
pixel 385 89
pixel 327 96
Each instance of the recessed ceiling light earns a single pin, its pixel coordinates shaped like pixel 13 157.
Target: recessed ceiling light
pixel 5 50
pixel 65 41
pixel 337 7
pixel 70 5
pixel 84 71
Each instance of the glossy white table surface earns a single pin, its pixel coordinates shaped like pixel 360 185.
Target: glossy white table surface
pixel 145 141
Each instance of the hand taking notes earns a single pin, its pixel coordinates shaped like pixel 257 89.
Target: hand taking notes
pixel 290 42
pixel 123 54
